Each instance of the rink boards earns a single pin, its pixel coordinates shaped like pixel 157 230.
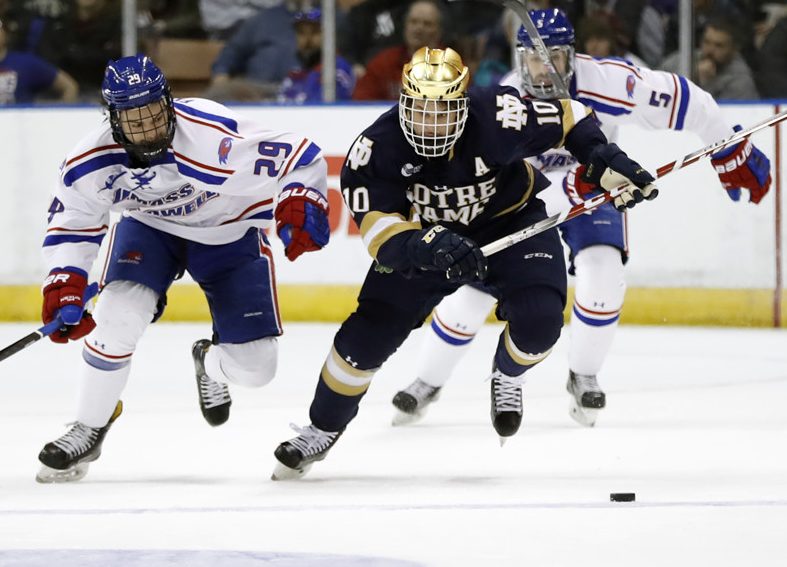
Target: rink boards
pixel 696 256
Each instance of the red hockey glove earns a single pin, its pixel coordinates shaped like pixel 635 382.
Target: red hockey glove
pixel 576 188
pixel 302 220
pixel 743 166
pixel 63 291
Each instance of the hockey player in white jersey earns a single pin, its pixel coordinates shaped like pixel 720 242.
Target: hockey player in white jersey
pixel 196 185
pixel 619 92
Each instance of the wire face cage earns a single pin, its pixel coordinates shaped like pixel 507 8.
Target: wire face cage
pixel 432 126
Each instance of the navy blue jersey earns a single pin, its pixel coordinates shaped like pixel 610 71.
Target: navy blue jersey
pixel 481 184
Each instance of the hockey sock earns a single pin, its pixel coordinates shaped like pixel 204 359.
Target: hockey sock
pixel 455 322
pixel 598 300
pixel 98 393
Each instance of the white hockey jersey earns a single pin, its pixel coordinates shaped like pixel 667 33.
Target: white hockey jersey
pixel 220 177
pixel 622 93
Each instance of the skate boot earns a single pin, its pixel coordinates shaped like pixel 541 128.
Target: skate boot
pixel 297 455
pixel 214 397
pixel 506 398
pixel 587 399
pixel 412 402
pixel 67 459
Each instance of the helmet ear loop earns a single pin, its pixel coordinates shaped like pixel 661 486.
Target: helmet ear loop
pixel 117 129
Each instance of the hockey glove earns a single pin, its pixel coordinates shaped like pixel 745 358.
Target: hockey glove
pixel 743 166
pixel 63 291
pixel 439 249
pixel 609 167
pixel 302 220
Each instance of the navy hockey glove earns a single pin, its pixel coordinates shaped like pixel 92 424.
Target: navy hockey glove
pixel 439 249
pixel 743 166
pixel 302 220
pixel 63 291
pixel 610 167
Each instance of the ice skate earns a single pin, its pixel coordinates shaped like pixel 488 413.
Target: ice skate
pixel 506 404
pixel 412 402
pixel 587 399
pixel 67 459
pixel 214 397
pixel 297 455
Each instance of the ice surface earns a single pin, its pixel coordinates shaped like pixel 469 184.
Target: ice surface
pixel 695 425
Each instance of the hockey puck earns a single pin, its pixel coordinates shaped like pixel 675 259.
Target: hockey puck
pixel 622 497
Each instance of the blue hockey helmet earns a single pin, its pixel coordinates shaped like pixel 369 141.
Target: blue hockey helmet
pixel 313 16
pixel 553 27
pixel 557 33
pixel 141 111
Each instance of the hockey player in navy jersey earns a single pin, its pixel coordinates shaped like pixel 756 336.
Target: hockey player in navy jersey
pixel 434 178
pixel 619 92
pixel 196 184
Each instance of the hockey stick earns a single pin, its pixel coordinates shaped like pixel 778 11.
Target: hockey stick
pixel 46 330
pixel 597 201
pixel 520 9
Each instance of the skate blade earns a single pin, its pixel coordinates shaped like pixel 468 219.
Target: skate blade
pixel 48 475
pixel 283 472
pixel 583 416
pixel 402 418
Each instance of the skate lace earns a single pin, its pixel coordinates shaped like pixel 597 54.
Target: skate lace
pixel 420 390
pixel 79 439
pixel 586 383
pixel 212 393
pixel 311 440
pixel 508 391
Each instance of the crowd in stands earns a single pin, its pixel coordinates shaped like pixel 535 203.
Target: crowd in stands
pixel 271 50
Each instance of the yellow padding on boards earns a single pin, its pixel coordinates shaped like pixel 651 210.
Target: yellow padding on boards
pixel 333 303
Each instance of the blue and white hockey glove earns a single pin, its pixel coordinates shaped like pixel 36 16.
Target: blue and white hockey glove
pixel 610 167
pixel 743 166
pixel 439 249
pixel 302 220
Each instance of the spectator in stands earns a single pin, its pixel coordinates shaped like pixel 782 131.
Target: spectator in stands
pixel 496 51
pixel 657 19
pixel 369 27
pixel 721 70
pixel 221 19
pixel 28 22
pixel 383 77
pixel 81 42
pixel 170 18
pixel 771 72
pixel 304 83
pixel 24 76
pixel 602 35
pixel 257 58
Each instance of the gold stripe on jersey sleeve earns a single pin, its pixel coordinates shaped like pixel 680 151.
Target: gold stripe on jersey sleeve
pixel 569 120
pixel 377 228
pixel 525 197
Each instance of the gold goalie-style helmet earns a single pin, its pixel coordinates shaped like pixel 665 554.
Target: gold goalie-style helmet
pixel 433 101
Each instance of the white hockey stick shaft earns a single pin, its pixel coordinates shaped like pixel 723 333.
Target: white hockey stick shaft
pixel 520 9
pixel 597 201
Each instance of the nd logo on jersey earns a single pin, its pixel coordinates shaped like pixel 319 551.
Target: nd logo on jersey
pixel 360 153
